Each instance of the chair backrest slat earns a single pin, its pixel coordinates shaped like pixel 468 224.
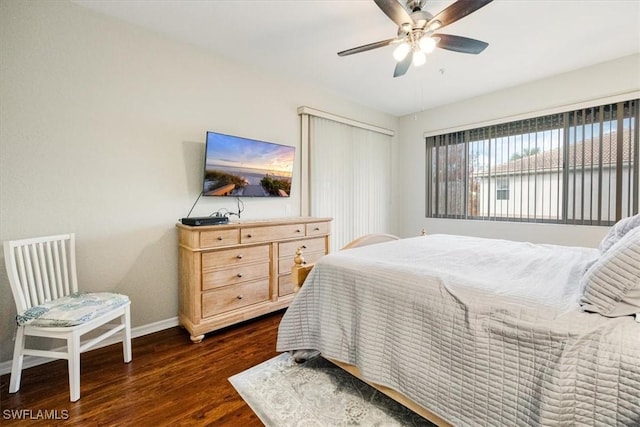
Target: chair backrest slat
pixel 69 264
pixel 51 272
pixel 72 262
pixel 31 274
pixel 44 274
pixel 20 272
pixel 41 269
pixel 54 270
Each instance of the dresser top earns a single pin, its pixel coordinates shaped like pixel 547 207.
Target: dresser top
pixel 257 223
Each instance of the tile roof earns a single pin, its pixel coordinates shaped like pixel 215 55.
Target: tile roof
pixel 552 159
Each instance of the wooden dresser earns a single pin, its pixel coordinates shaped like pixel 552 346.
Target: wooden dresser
pixel 237 271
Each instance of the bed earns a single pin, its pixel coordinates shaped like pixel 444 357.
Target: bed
pixel 470 331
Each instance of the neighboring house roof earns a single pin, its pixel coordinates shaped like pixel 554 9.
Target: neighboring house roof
pixel 552 159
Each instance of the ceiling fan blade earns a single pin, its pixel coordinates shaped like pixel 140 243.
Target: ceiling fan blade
pixel 457 11
pixel 395 11
pixel 366 47
pixel 460 44
pixel 402 66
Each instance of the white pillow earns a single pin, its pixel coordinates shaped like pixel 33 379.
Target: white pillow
pixel 618 230
pixel 611 286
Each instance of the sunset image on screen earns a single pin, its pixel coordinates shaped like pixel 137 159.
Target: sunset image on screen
pixel 237 166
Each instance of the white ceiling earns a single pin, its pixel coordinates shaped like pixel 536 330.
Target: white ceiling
pixel 299 39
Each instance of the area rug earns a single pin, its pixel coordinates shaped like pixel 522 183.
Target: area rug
pixel 283 393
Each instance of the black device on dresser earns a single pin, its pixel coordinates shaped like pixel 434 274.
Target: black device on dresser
pixel 205 220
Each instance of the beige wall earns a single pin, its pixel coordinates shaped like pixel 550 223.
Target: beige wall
pixel 102 133
pixel 555 92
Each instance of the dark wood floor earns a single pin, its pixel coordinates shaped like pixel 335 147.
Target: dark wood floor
pixel 170 381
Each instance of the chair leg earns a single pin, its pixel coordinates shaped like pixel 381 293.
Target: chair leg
pixel 126 334
pixel 16 364
pixel 73 347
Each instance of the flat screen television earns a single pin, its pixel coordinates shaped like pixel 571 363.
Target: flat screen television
pixel 242 167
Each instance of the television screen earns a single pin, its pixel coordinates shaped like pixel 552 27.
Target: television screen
pixel 235 166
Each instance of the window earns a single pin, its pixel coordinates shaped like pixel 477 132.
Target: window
pixel 576 167
pixel 502 189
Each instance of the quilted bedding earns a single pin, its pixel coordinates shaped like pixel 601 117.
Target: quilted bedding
pixel 478 331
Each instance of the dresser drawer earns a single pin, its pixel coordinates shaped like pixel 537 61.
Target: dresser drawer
pixel 231 257
pixel 307 245
pixel 229 276
pixel 271 233
pixel 217 238
pixel 233 297
pixel 317 228
pixel 285 263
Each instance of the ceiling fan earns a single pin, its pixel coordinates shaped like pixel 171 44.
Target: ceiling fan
pixel 417 32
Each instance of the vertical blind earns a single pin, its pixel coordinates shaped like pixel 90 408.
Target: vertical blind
pixel 576 167
pixel 349 179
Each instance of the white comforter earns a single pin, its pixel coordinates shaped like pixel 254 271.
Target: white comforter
pixel 479 331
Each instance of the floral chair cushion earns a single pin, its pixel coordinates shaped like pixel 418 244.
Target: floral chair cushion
pixel 71 310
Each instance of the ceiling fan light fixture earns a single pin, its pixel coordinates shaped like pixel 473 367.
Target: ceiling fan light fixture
pixel 434 25
pixel 427 44
pixel 401 52
pixel 419 58
pixel 417 31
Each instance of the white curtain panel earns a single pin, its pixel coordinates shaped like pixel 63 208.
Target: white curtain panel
pixel 349 179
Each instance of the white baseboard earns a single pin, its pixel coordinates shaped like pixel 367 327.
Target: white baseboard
pixel 30 361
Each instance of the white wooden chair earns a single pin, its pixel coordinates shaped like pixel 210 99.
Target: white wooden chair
pixel 42 275
pixel 370 239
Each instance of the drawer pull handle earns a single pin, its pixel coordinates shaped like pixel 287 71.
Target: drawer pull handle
pixel 239 297
pixel 239 274
pixel 219 237
pixel 239 256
